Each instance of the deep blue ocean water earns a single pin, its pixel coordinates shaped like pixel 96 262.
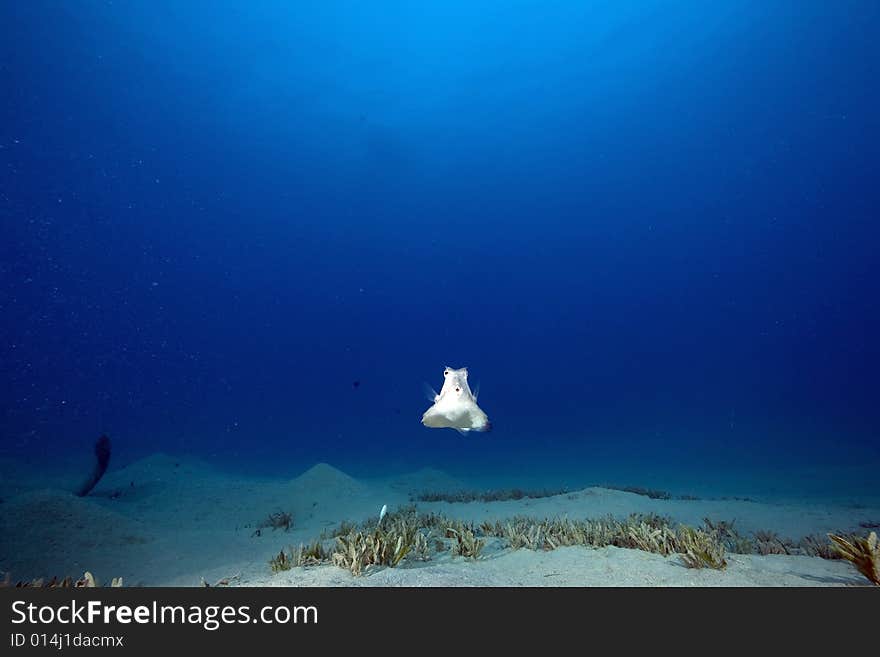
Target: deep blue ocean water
pixel 250 232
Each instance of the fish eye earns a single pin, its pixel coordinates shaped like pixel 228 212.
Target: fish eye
pixel 445 372
pixel 458 390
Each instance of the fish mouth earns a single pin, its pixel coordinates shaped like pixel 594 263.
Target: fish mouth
pixel 486 427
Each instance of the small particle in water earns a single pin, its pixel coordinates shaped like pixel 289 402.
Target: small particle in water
pixel 355 384
pixel 155 284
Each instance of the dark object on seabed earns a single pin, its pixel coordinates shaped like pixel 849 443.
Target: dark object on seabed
pixel 102 455
pixel 280 520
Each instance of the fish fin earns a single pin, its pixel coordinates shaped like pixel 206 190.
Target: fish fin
pixel 430 393
pixel 476 391
pixel 462 432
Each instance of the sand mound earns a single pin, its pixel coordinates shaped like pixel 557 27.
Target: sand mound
pixel 156 468
pixel 57 530
pixel 323 496
pixel 323 478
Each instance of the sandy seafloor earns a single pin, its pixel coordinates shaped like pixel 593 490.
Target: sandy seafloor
pixel 166 521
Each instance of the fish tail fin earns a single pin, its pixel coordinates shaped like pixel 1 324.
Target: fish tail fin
pixel 430 393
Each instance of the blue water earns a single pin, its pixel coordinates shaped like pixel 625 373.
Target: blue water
pixel 249 232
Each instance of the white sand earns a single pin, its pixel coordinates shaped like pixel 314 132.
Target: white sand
pixel 167 521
